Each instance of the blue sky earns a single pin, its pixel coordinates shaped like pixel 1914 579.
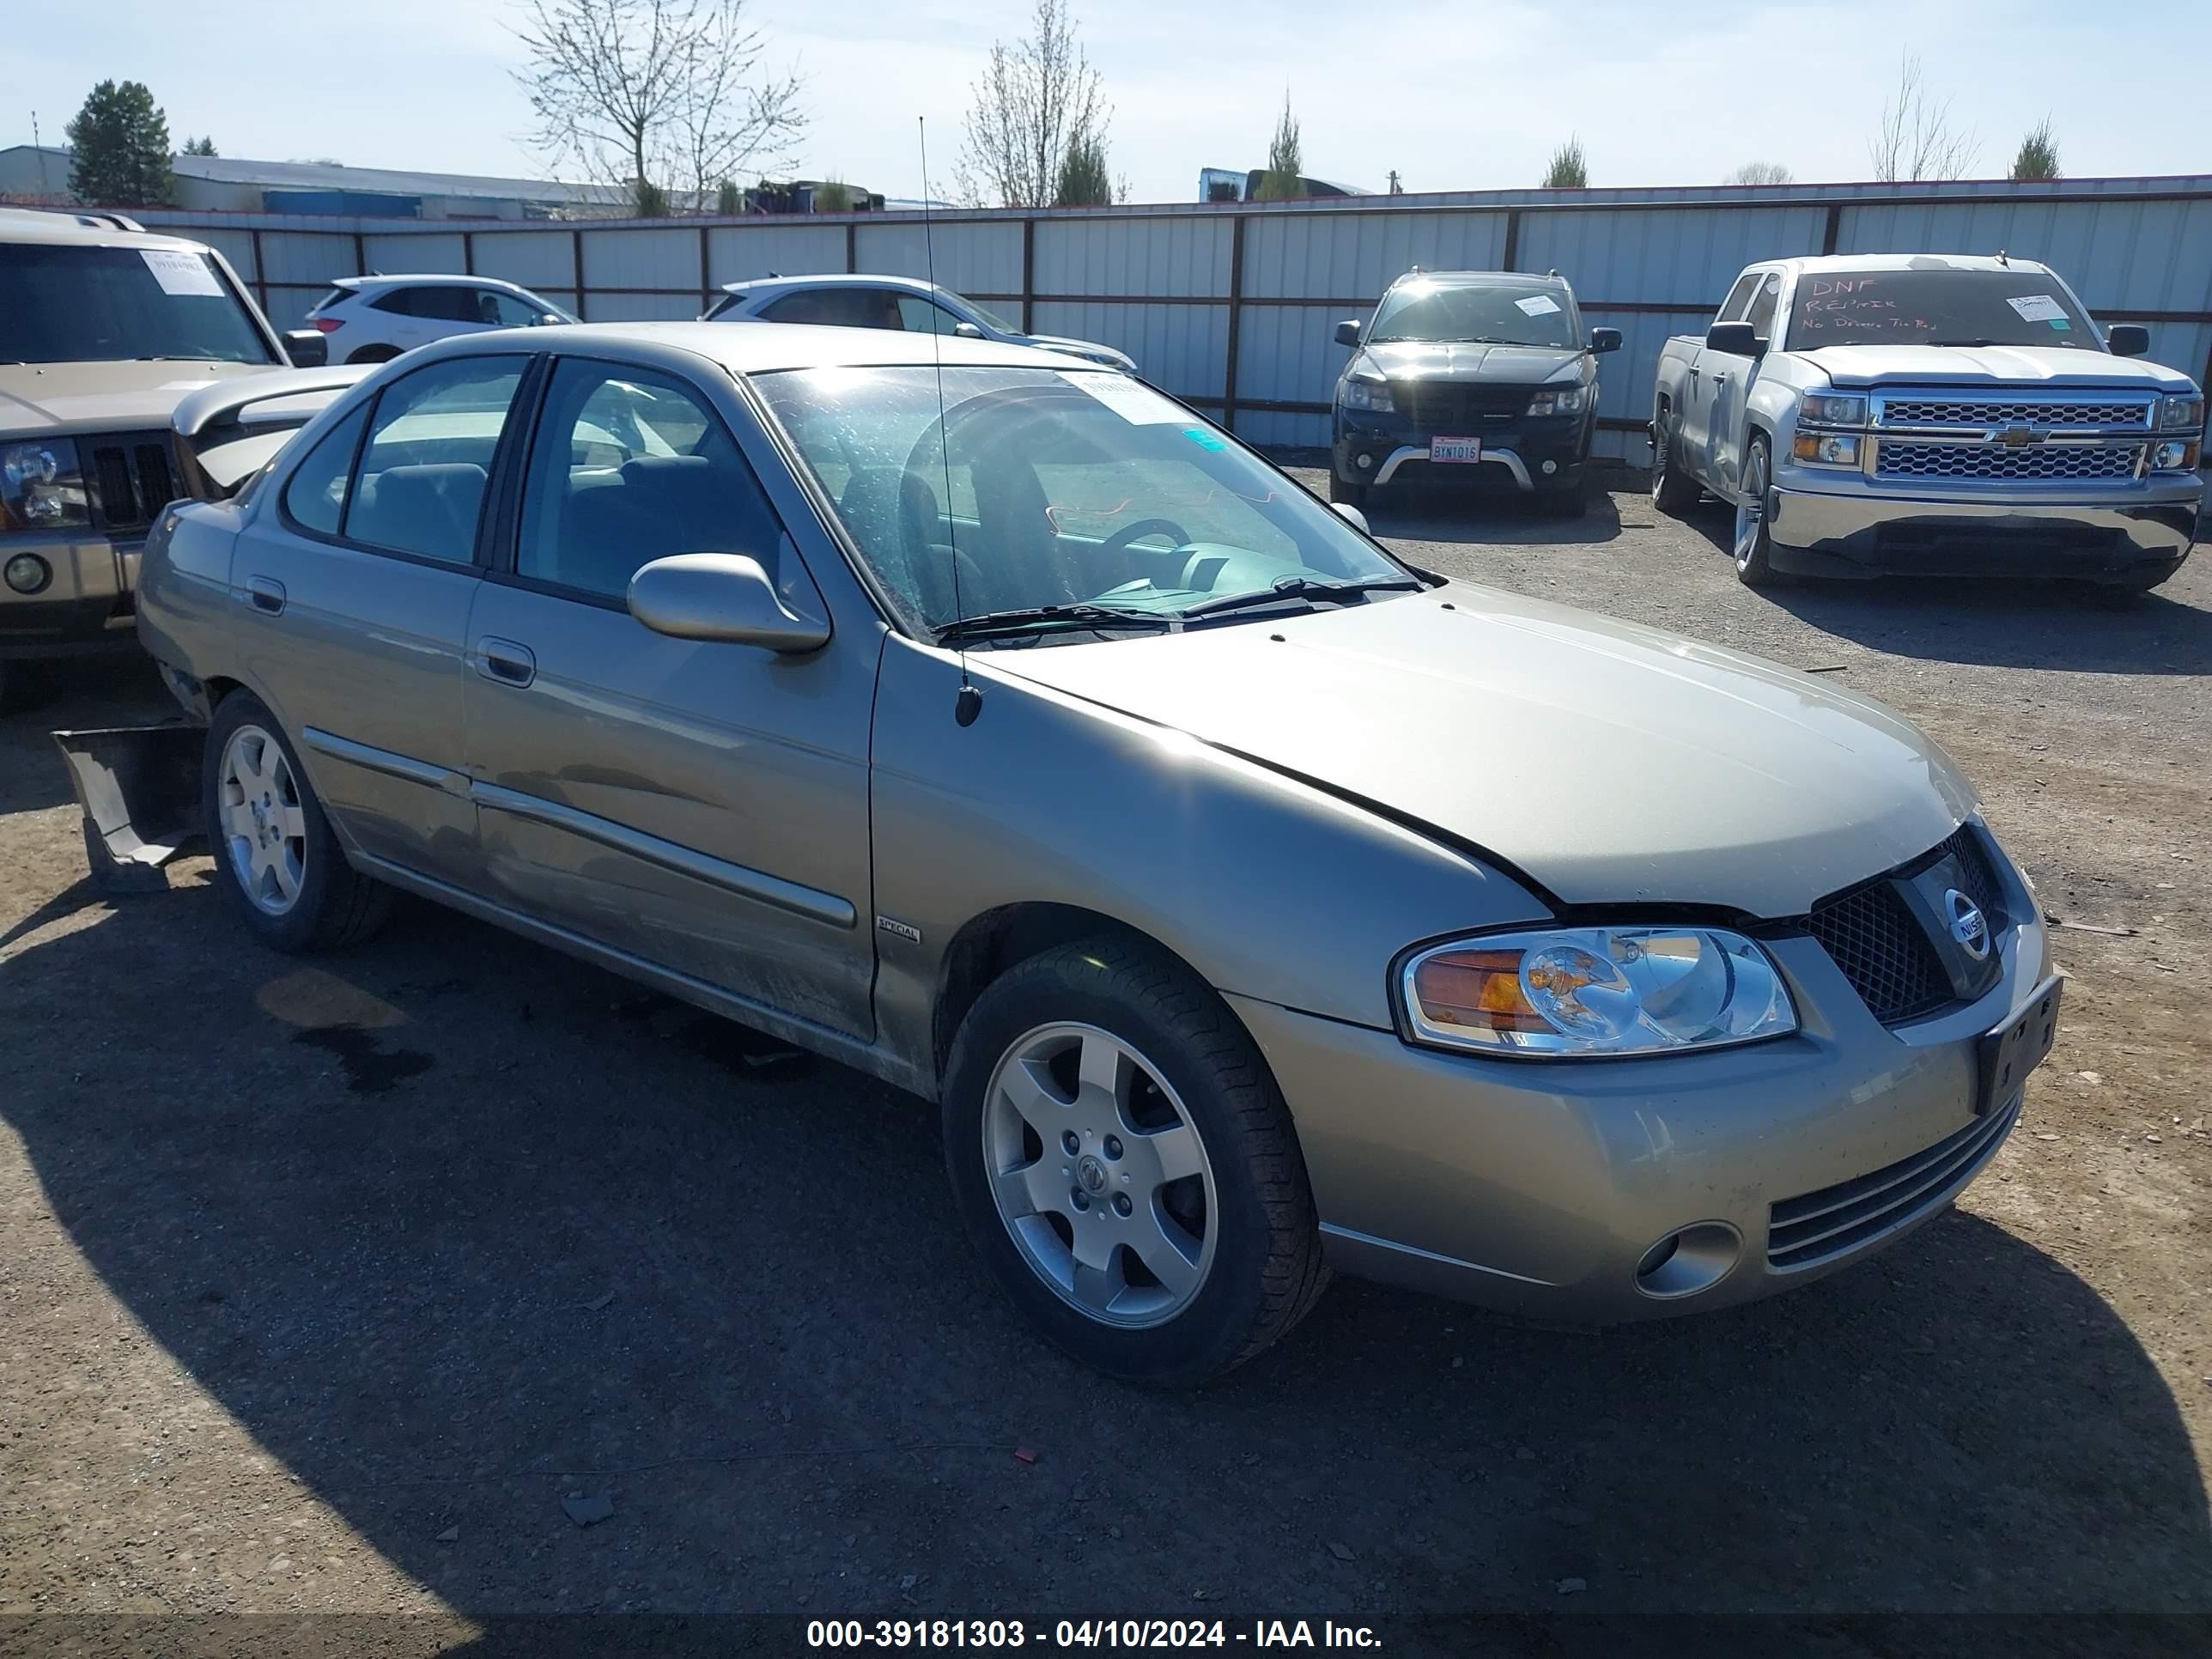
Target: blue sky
pixel 1453 93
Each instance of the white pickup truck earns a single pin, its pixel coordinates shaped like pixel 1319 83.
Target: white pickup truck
pixel 1928 414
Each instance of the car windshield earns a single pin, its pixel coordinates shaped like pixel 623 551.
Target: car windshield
pixel 1936 308
pixel 1505 314
pixel 1048 487
pixel 68 303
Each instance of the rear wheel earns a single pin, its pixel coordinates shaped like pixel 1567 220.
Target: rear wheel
pixel 1672 492
pixel 1126 1167
pixel 276 858
pixel 1753 541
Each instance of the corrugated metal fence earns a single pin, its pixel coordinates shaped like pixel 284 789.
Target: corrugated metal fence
pixel 1232 307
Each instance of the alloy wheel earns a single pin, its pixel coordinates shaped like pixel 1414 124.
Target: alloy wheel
pixel 265 828
pixel 1099 1174
pixel 1751 512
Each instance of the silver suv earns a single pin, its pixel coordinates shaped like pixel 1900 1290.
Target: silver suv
pixel 104 330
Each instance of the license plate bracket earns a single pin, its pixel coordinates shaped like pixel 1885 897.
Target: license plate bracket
pixel 2016 1048
pixel 1458 452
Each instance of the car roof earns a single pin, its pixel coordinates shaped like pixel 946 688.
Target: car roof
pixel 89 230
pixel 833 279
pixel 1486 278
pixel 425 279
pixel 1906 262
pixel 769 347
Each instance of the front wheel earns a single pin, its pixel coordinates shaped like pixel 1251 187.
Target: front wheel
pixel 1348 495
pixel 1754 541
pixel 276 855
pixel 1126 1165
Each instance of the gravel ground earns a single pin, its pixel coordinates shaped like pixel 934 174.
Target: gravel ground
pixel 325 1283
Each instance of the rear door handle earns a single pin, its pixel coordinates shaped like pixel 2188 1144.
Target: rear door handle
pixel 265 593
pixel 504 661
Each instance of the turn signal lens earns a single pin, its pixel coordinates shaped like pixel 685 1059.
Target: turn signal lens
pixel 1595 991
pixel 2175 457
pixel 1826 449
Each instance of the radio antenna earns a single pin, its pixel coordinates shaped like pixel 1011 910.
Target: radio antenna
pixel 970 701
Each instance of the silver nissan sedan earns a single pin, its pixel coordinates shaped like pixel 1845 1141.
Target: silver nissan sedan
pixel 1252 903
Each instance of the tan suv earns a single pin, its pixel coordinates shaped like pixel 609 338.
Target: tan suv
pixel 105 330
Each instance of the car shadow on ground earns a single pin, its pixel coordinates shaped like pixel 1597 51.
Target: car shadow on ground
pixel 455 1228
pixel 1991 620
pixel 1489 517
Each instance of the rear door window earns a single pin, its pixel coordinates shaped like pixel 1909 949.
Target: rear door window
pixel 420 486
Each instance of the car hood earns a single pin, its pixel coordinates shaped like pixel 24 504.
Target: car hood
pixel 39 397
pixel 1918 365
pixel 1063 343
pixel 1611 764
pixel 1444 360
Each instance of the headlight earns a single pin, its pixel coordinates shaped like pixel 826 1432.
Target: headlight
pixel 1832 409
pixel 2174 455
pixel 1558 400
pixel 2181 414
pixel 1826 448
pixel 1373 395
pixel 1583 991
pixel 40 487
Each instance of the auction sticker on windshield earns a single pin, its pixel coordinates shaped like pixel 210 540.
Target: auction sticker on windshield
pixel 1538 305
pixel 181 273
pixel 2037 308
pixel 1135 401
pixel 1455 449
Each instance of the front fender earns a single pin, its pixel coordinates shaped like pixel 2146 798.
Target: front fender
pixel 1268 887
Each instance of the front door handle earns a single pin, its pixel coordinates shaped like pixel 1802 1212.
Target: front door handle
pixel 265 593
pixel 504 661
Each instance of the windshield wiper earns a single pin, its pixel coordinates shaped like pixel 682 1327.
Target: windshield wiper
pixel 1030 619
pixel 1299 587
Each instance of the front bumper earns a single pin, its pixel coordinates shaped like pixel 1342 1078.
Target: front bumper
pixel 84 608
pixel 1821 532
pixel 1517 456
pixel 1538 1187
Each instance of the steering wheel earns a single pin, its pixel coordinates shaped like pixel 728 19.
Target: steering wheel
pixel 1120 540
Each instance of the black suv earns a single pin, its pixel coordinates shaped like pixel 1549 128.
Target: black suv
pixel 1481 375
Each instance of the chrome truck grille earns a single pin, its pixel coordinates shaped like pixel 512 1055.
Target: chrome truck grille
pixel 2013 436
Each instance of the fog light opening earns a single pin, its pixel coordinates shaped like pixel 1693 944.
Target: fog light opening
pixel 1366 461
pixel 1550 467
pixel 26 573
pixel 1693 1259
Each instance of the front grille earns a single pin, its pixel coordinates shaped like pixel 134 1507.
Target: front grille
pixel 1817 1227
pixel 131 478
pixel 1898 460
pixel 1446 405
pixel 1975 412
pixel 1881 947
pixel 1883 952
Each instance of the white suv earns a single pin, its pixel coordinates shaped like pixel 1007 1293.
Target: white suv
pixel 904 304
pixel 367 319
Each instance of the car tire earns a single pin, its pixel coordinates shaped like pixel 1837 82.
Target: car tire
pixel 375 354
pixel 1572 503
pixel 1672 492
pixel 277 858
pixel 1035 1152
pixel 1754 540
pixel 1350 495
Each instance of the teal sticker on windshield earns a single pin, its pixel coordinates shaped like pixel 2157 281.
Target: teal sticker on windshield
pixel 2060 322
pixel 1202 438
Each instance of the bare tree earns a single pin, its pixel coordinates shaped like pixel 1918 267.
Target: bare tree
pixel 1918 139
pixel 1761 173
pixel 1037 97
pixel 655 94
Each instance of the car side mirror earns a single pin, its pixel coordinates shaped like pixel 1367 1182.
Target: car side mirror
pixel 966 331
pixel 1736 340
pixel 2128 339
pixel 551 320
pixel 1605 339
pixel 1347 332
pixel 722 597
pixel 306 348
pixel 1353 516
